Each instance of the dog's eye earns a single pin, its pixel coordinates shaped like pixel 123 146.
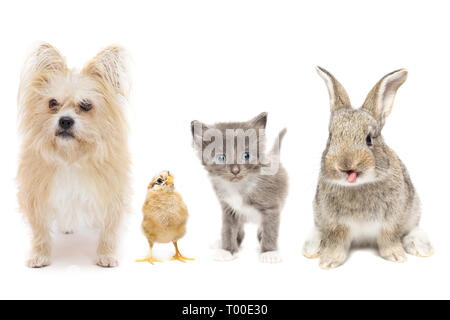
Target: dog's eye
pixel 85 105
pixel 369 140
pixel 53 103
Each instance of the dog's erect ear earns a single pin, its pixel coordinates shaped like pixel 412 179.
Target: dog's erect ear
pixel 380 99
pixel 260 121
pixel 110 66
pixel 338 96
pixel 43 61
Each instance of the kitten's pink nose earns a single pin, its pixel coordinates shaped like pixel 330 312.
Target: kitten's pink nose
pixel 235 170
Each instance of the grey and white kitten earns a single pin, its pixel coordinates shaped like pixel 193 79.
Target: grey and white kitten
pixel 250 184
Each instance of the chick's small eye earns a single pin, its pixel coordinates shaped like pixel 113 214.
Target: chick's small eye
pixel 159 181
pixel 53 103
pixel 369 140
pixel 221 158
pixel 246 156
pixel 85 105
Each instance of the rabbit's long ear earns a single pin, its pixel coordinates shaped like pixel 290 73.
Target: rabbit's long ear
pixel 380 99
pixel 338 96
pixel 110 66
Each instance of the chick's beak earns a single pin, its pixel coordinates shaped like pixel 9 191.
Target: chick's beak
pixel 169 180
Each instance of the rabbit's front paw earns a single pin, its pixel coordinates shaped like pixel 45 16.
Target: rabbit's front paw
pixel 311 248
pixel 395 254
pixel 416 243
pixel 330 259
pixel 311 251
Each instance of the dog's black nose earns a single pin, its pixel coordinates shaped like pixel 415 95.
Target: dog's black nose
pixel 66 122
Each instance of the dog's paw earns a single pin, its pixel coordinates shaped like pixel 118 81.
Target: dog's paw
pixel 270 257
pixel 107 261
pixel 38 261
pixel 394 254
pixel 223 255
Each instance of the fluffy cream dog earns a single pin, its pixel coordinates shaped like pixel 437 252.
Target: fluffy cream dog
pixel 74 160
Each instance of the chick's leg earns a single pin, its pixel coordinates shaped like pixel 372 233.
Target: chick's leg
pixel 150 258
pixel 178 256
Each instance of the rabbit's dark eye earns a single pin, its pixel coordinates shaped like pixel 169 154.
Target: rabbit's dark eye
pixel 369 140
pixel 53 103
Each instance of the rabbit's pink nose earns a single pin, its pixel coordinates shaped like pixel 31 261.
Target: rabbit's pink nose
pixel 351 176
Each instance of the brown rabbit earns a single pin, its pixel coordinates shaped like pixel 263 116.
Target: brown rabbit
pixel 364 194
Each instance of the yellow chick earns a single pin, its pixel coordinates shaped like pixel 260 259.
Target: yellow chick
pixel 165 215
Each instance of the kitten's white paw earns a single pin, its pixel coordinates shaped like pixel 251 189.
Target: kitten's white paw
pixel 270 257
pixel 107 261
pixel 416 243
pixel 38 261
pixel 223 255
pixel 311 248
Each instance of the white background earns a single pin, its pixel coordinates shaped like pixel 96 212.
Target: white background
pixel 230 60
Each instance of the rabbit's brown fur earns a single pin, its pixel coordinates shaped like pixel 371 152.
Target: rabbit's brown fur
pixel 364 194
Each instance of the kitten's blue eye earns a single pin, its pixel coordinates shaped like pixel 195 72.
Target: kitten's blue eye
pixel 246 156
pixel 221 158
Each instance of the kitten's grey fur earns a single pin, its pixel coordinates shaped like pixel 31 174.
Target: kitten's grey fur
pixel 255 197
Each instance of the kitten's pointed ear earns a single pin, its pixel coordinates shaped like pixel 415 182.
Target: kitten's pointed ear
pixel 110 67
pixel 380 99
pixel 338 96
pixel 260 121
pixel 43 61
pixel 197 129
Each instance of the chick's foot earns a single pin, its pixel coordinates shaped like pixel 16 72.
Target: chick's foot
pixel 179 257
pixel 150 260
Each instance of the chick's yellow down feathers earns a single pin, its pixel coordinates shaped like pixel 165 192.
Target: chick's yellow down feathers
pixel 165 215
